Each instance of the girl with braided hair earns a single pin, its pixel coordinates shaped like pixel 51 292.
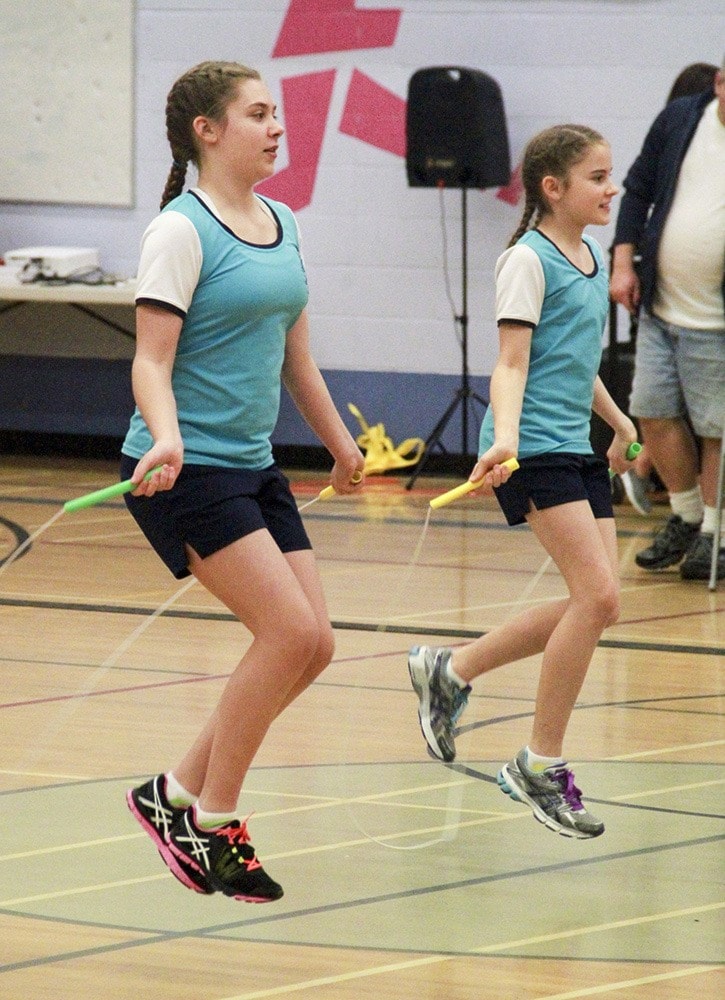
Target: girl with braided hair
pixel 221 321
pixel 552 301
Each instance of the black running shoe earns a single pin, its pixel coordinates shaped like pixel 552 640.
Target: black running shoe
pixel 154 812
pixel 669 545
pixel 224 857
pixel 697 564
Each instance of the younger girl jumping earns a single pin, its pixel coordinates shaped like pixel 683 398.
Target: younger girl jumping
pixel 552 301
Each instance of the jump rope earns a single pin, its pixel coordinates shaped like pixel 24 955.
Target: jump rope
pixel 455 789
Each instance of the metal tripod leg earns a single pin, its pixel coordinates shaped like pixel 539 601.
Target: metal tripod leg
pixel 462 398
pixel 464 392
pixel 718 518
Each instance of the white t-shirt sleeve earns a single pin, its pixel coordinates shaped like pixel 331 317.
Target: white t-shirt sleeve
pixel 170 262
pixel 520 286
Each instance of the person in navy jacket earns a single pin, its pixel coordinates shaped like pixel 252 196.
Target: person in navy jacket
pixel 672 216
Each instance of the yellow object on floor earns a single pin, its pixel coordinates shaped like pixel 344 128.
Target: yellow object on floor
pixel 380 452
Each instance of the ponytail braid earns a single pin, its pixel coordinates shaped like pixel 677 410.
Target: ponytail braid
pixel 529 209
pixel 174 182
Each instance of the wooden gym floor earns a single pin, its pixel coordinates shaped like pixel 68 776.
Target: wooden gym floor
pixel 403 878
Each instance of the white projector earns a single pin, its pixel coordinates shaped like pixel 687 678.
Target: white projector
pixel 58 262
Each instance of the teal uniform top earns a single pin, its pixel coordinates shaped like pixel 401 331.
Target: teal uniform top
pixel 567 309
pixel 238 301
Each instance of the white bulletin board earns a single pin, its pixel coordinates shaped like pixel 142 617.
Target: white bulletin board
pixel 66 114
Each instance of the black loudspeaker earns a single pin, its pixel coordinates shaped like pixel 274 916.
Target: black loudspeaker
pixel 456 130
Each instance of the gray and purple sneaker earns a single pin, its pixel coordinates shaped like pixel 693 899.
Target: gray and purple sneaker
pixel 551 795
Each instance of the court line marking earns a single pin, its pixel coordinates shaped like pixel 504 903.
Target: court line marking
pixel 702 713
pixel 191 678
pixel 313 802
pixel 303 851
pixel 307 851
pixel 591 991
pixel 205 931
pixel 362 625
pixel 482 817
pixel 515 602
pixel 590 706
pixel 482 950
pixel 667 788
pixel 39 662
pixel 283 855
pixel 664 750
pixel 44 774
pixel 81 890
pixel 75 846
pixel 89 692
pixel 91 538
pixel 481 820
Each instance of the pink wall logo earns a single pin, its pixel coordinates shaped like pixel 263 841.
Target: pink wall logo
pixel 371 113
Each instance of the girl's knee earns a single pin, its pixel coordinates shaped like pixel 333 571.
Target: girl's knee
pixel 599 605
pixel 310 668
pixel 303 635
pixel 608 606
pixel 312 640
pixel 326 646
pixel 614 612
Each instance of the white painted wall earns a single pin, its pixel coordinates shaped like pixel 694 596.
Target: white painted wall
pixel 62 64
pixel 373 245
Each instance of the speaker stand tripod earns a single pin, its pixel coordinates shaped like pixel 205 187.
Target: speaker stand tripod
pixel 464 396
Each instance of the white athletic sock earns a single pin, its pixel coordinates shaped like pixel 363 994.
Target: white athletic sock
pixel 536 763
pixel 452 675
pixel 209 820
pixel 709 523
pixel 176 793
pixel 688 505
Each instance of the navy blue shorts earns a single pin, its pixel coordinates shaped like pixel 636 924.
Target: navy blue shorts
pixel 209 507
pixel 553 479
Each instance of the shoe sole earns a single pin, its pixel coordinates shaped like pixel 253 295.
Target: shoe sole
pixel 509 787
pixel 163 848
pixel 419 680
pixel 254 899
pixel 641 504
pixel 219 886
pixel 660 563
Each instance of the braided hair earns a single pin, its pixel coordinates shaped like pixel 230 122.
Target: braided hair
pixel 207 90
pixel 552 152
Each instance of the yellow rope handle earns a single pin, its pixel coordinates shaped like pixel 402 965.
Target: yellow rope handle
pixel 329 491
pixel 467 487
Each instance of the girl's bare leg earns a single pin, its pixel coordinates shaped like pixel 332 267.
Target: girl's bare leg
pixel 525 635
pixel 567 630
pixel 191 772
pixel 585 551
pixel 279 599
